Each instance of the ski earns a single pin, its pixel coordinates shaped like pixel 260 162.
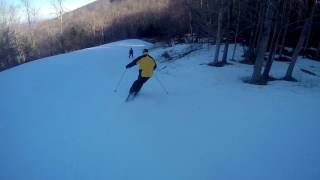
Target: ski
pixel 130 97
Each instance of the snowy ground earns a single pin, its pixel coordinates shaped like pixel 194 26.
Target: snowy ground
pixel 61 120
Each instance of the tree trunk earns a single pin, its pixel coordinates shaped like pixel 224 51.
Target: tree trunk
pixel 251 52
pixel 263 44
pixel 226 46
pixel 218 40
pixel 237 32
pixel 61 23
pixel 318 53
pixel 302 39
pixel 190 23
pixel 285 31
pixel 260 26
pixel 275 39
pixel 272 53
pixel 283 40
pixel 308 36
pixel 225 52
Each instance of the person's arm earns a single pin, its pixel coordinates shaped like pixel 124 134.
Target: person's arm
pixel 134 62
pixel 155 64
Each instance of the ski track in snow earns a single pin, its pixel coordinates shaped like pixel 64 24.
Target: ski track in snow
pixel 60 119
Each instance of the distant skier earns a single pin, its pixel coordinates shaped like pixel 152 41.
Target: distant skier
pixel 130 53
pixel 146 67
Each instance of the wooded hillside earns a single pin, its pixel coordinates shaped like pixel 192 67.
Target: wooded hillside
pixel 260 26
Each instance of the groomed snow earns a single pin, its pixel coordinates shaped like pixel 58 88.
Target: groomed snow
pixel 61 120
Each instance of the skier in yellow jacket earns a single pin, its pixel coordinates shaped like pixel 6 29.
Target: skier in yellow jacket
pixel 146 67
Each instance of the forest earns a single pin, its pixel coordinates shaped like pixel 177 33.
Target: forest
pixel 268 30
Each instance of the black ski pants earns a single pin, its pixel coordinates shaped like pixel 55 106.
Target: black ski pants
pixel 137 85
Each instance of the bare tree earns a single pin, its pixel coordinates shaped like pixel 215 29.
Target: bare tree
pixel 310 10
pixel 218 36
pixel 30 12
pixel 58 6
pixel 229 6
pixel 285 27
pixel 236 33
pixel 279 20
pixel 26 39
pixel 8 15
pixel 255 13
pixel 263 41
pixel 3 14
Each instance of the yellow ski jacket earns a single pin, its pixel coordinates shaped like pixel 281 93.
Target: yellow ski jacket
pixel 146 65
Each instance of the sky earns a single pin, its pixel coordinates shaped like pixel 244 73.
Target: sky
pixel 45 9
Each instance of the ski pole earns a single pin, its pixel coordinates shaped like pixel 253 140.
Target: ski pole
pixel 161 84
pixel 120 80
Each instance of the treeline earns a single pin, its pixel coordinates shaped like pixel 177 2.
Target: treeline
pixel 263 27
pixel 97 23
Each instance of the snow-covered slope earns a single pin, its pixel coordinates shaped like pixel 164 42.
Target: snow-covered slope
pixel 61 120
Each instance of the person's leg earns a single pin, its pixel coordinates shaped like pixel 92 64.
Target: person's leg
pixel 137 85
pixel 134 86
pixel 141 83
